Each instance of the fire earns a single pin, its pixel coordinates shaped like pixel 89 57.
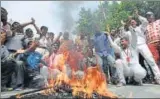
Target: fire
pixel 93 81
pixel 18 96
pixel 88 81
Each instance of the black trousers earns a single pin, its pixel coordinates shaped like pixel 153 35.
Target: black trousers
pixel 150 76
pixel 108 63
pixel 7 69
pixel 10 67
pixel 33 79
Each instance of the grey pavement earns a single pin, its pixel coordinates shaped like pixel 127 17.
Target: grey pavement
pixel 129 91
pixel 145 91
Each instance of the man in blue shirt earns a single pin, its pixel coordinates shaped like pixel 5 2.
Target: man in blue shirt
pixel 102 48
pixel 33 62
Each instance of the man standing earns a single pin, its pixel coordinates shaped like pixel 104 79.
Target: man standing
pixel 142 47
pixel 153 35
pixel 102 45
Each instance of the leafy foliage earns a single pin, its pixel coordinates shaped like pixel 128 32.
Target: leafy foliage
pixel 114 13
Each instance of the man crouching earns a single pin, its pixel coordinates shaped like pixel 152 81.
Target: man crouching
pixel 127 63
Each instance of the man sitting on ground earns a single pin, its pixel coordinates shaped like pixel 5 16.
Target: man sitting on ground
pixel 9 66
pixel 33 62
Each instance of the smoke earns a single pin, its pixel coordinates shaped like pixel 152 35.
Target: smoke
pixel 66 9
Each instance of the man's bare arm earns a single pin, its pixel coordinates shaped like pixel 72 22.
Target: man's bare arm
pixel 23 25
pixel 26 24
pixel 37 29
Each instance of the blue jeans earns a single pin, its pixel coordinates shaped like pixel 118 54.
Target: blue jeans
pixel 108 63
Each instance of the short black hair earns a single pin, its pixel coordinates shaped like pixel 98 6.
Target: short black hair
pixel 44 27
pixel 15 23
pixel 51 33
pixel 29 29
pixel 3 11
pixel 29 42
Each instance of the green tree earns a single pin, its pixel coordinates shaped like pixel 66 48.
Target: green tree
pixel 114 13
pixel 85 23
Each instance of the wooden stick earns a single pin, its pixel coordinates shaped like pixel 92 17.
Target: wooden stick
pixel 33 91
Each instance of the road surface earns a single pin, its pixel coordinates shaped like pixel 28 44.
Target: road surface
pixel 145 91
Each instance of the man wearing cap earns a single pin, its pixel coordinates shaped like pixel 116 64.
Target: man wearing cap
pixel 142 47
pixel 153 35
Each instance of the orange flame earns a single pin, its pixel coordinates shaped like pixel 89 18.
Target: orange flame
pixel 18 96
pixel 88 81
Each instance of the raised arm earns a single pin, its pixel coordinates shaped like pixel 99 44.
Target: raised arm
pixel 133 41
pixel 117 41
pixel 26 24
pixel 23 25
pixel 113 45
pixel 37 29
pixel 143 21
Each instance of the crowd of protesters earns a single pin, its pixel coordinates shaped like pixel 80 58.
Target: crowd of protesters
pixel 128 56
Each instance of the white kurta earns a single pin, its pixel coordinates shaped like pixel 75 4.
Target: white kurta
pixel 134 68
pixel 142 47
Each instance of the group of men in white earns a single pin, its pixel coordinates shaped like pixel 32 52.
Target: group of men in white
pixel 127 49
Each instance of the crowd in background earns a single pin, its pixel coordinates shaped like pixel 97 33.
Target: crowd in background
pixel 128 56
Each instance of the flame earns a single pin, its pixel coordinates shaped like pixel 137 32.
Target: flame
pixel 88 81
pixel 94 81
pixel 18 96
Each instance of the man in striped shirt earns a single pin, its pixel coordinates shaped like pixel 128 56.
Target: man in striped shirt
pixel 153 35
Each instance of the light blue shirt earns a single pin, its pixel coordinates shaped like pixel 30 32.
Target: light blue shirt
pixel 15 42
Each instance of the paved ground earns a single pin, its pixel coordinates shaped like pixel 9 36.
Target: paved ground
pixel 146 91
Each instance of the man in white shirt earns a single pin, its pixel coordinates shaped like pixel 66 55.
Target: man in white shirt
pixel 142 47
pixel 14 42
pixel 128 64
